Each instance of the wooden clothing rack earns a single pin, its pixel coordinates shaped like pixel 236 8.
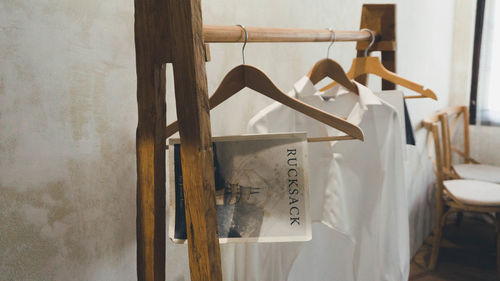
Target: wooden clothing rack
pixel 169 31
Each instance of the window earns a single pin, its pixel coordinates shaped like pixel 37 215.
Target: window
pixel 485 89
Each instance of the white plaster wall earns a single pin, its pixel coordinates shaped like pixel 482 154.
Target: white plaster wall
pixel 485 140
pixel 462 50
pixel 485 144
pixel 68 115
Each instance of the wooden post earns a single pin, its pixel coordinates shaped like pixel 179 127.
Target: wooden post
pixel 171 31
pixel 185 38
pixel 150 143
pixel 380 18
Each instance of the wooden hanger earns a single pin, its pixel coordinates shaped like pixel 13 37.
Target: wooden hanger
pixel 332 69
pixel 247 76
pixel 372 65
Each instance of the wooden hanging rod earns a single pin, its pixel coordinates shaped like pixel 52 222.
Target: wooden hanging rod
pixel 233 34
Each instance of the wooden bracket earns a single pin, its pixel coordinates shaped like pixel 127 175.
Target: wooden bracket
pixel 207 52
pixel 380 18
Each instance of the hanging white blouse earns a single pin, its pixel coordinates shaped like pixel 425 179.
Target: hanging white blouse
pixel 358 199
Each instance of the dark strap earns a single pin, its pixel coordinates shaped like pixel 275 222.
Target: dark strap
pixel 410 138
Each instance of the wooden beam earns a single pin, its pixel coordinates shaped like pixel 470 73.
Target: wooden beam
pixel 187 53
pixel 381 19
pixel 150 143
pixel 151 174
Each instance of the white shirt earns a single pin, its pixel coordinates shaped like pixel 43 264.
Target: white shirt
pixel 357 190
pixel 396 99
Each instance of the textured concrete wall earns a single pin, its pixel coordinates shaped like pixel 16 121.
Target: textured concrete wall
pixel 68 115
pixel 67 151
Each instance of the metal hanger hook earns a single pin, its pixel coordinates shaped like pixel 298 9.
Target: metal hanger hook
pixel 372 37
pixel 244 44
pixel 334 36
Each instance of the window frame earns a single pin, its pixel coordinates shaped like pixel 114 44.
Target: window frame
pixel 476 57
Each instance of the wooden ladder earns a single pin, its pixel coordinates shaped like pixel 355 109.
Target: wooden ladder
pixel 169 31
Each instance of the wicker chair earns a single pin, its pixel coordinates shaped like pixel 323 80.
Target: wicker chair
pixel 457 195
pixel 470 168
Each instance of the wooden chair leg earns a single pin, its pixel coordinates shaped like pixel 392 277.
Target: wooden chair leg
pixel 436 244
pixel 438 233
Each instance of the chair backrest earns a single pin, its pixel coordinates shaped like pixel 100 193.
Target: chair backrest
pixel 432 124
pixel 455 114
pixel 446 142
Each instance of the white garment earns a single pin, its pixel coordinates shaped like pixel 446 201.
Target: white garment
pixel 396 99
pixel 358 198
pixel 273 261
pixel 419 177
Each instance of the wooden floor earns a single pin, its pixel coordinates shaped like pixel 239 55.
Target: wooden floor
pixel 467 253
